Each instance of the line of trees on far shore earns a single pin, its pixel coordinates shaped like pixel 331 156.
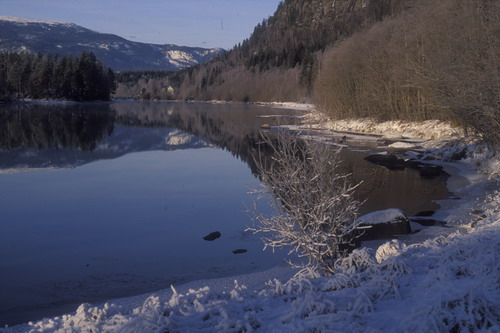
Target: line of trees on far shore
pixel 46 76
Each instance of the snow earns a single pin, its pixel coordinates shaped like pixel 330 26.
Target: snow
pixel 179 58
pixel 24 21
pixel 402 145
pixel 210 51
pixel 289 105
pixel 176 138
pixel 438 280
pixel 382 216
pixel 427 130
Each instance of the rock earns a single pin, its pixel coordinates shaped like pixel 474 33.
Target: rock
pixel 212 236
pixel 390 161
pixel 414 164
pixel 426 213
pixel 238 251
pixel 265 126
pixel 426 170
pixel 426 222
pixel 430 171
pixel 383 224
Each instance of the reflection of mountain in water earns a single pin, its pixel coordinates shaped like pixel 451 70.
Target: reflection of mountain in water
pixel 231 127
pixel 65 136
pixel 60 136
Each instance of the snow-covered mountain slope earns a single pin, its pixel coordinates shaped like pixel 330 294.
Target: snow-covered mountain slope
pixel 19 34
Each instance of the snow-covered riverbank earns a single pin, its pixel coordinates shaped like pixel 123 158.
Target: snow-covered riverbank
pixel 439 279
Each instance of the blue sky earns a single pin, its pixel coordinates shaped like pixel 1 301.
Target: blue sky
pixel 204 23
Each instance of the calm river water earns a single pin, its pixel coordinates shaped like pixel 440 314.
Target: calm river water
pixel 99 201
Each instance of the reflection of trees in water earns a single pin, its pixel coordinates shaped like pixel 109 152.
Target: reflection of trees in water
pixel 83 126
pixel 79 126
pixel 234 128
pixel 381 188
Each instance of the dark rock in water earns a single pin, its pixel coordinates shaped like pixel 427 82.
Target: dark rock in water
pixel 390 161
pixel 238 251
pixel 426 222
pixel 430 171
pixel 212 236
pixel 414 164
pixel 383 224
pixel 426 170
pixel 426 213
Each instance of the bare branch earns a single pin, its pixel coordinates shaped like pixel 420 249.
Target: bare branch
pixel 314 211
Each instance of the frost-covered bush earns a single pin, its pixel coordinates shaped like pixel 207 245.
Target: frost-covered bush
pixel 314 211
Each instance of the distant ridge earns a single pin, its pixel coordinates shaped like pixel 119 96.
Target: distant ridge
pixel 20 34
pixel 21 20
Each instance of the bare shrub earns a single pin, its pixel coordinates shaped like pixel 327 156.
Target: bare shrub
pixel 437 60
pixel 314 210
pixel 462 66
pixel 370 75
pixel 240 83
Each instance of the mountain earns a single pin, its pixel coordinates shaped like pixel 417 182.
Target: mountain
pixel 282 57
pixel 17 34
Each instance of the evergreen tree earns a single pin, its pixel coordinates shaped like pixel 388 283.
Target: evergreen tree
pixel 83 78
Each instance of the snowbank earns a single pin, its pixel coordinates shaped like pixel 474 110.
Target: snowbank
pixel 440 140
pixel 289 105
pixel 396 129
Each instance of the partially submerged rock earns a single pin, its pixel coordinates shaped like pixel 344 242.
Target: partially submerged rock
pixel 383 224
pixel 426 170
pixel 212 236
pixel 390 161
pixel 426 221
pixel 238 251
pixel 430 171
pixel 426 213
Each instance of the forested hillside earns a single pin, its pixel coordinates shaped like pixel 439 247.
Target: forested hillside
pixel 385 59
pixel 278 62
pixel 37 76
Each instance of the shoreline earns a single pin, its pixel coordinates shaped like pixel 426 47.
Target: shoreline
pixel 465 180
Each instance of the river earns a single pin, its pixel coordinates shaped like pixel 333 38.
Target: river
pixel 106 200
